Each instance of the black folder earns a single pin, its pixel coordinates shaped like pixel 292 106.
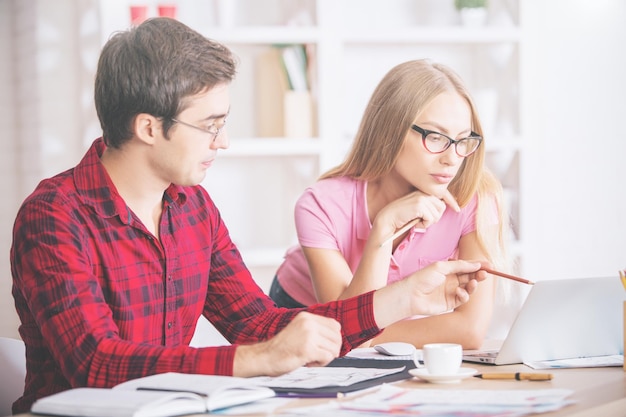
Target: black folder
pixel 347 362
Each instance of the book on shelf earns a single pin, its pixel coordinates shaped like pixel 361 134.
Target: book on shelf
pixel 161 395
pixel 284 103
pixel 271 86
pixel 294 60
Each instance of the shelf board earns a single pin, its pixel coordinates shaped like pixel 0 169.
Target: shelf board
pixel 262 35
pixel 273 147
pixel 506 144
pixel 314 146
pixel 449 34
pixel 263 257
pixel 273 257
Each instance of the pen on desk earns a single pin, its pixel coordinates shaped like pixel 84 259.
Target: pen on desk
pixel 403 229
pixel 503 275
pixel 309 394
pixel 519 376
pixel 358 392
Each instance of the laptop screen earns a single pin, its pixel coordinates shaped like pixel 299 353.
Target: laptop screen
pixel 566 318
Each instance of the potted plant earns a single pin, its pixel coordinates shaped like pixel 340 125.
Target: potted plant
pixel 473 12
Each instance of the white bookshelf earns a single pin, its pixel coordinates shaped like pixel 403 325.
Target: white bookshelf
pixel 257 181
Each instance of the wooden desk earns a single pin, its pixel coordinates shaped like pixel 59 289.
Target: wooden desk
pixel 598 392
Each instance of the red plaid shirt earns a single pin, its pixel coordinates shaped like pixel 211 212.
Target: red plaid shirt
pixel 101 301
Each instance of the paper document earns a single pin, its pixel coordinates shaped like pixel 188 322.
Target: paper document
pixel 371 353
pixel 318 377
pixel 398 401
pixel 592 362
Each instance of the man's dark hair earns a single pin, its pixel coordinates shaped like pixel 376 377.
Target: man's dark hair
pixel 151 69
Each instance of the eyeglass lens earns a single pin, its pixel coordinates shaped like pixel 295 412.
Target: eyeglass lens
pixel 212 130
pixel 437 143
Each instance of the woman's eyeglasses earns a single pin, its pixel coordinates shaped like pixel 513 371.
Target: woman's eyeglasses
pixel 436 142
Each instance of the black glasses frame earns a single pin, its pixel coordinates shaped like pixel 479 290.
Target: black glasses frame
pixel 424 133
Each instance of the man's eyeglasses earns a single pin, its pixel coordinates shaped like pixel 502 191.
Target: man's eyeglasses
pixel 212 130
pixel 436 142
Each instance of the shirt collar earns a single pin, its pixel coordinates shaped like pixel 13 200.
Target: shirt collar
pixel 96 189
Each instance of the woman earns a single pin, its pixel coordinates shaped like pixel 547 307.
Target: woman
pixel 418 156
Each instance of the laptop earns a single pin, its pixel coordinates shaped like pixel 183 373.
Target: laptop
pixel 563 319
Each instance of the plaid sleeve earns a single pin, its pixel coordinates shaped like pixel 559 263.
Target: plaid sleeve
pixel 240 309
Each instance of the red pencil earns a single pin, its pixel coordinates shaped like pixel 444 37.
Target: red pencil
pixel 502 274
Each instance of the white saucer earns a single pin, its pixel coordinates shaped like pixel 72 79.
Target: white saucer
pixel 463 373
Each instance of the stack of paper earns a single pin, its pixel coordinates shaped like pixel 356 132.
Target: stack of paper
pixel 589 362
pixel 432 402
pixel 328 381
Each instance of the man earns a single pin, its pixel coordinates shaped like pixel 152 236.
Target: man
pixel 114 260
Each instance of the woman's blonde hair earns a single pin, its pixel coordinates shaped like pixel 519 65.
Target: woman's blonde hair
pixel 404 92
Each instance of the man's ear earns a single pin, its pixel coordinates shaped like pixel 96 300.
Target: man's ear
pixel 146 127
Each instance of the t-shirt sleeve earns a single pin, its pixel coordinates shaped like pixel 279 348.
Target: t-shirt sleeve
pixel 470 212
pixel 315 225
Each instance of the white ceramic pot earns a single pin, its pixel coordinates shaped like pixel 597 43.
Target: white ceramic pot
pixel 473 16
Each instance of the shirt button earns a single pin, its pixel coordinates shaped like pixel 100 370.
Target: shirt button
pixel 169 325
pixel 169 277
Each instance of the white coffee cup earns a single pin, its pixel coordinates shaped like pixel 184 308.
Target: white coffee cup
pixel 442 358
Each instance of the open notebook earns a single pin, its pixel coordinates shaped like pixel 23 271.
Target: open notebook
pixel 563 319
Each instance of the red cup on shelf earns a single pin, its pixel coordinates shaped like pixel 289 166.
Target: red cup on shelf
pixel 138 14
pixel 167 10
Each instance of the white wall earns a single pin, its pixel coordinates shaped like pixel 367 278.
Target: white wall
pixel 575 91
pixel 7 170
pixel 49 52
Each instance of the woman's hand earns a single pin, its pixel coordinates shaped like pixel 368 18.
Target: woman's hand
pixel 415 205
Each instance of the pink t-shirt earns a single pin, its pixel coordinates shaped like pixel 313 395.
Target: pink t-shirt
pixel 332 214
